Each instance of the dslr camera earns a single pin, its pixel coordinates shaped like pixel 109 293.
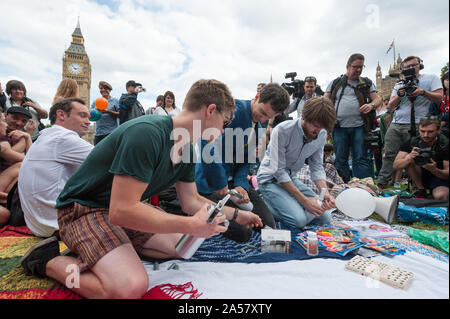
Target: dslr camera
pixel 372 140
pixel 425 153
pixel 409 80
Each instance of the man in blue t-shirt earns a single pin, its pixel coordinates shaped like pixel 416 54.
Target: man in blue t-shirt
pixel 225 164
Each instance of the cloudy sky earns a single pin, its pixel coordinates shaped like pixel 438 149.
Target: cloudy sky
pixel 169 44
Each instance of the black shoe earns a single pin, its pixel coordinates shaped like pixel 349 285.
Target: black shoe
pixel 37 257
pixel 421 193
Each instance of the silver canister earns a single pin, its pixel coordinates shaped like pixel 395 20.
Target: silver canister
pixel 188 244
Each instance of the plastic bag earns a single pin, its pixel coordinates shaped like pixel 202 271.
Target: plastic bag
pixel 392 192
pixel 430 215
pixel 438 238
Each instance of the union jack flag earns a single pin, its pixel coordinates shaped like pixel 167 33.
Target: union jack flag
pixel 390 47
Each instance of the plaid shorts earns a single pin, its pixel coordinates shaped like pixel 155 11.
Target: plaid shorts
pixel 87 232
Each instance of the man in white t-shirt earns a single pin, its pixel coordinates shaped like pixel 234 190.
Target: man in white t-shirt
pixel 49 163
pixel 428 90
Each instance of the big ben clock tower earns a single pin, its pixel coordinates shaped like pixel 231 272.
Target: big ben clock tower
pixel 76 65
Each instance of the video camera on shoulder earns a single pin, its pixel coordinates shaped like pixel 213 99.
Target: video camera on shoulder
pixel 296 86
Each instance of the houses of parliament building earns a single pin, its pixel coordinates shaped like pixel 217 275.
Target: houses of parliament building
pixel 386 84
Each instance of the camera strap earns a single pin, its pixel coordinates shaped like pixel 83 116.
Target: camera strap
pixel 341 83
pixel 412 129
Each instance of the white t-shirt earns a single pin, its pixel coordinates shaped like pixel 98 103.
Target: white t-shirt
pixel 160 111
pixel 429 82
pixel 49 163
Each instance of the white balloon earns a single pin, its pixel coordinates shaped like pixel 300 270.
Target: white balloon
pixel 356 203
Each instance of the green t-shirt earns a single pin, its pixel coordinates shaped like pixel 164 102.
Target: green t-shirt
pixel 139 148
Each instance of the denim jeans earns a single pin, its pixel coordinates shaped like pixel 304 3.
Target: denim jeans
pixel 286 208
pixel 348 140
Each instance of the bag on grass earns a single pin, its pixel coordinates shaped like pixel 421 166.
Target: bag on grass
pixel 438 238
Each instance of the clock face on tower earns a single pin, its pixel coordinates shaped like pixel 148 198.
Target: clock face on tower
pixel 74 68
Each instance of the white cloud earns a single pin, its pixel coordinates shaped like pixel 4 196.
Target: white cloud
pixel 167 45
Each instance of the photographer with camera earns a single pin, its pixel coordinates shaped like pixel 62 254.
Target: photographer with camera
pixel 303 93
pixel 130 107
pixel 410 99
pixel 355 99
pixel 425 159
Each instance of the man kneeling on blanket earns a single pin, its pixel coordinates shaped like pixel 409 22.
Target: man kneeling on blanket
pixel 101 215
pixel 292 144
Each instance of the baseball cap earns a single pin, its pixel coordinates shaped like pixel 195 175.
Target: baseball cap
pixel 18 110
pixel 132 83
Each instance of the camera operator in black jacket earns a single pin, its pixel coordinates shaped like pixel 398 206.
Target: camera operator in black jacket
pixel 425 158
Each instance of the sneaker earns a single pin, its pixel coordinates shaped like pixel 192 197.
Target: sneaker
pixel 37 257
pixel 397 185
pixel 421 193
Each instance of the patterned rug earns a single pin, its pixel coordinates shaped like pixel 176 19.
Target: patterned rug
pixel 14 283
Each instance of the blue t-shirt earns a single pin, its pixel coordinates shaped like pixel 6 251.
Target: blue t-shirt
pixel 229 157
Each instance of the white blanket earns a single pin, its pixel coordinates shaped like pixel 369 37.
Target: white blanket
pixel 317 278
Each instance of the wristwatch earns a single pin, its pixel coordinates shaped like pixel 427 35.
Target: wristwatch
pixel 236 212
pixel 423 93
pixel 373 106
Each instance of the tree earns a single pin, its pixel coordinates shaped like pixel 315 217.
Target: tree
pixel 444 69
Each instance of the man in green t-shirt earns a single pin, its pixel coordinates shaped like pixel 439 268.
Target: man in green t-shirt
pixel 101 213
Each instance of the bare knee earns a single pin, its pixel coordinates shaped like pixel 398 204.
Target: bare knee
pixel 131 287
pixel 441 193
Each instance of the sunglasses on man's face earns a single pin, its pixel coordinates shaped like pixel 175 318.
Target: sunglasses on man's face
pixel 227 123
pixel 310 79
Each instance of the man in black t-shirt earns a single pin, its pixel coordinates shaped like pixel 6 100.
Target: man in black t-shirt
pixel 425 158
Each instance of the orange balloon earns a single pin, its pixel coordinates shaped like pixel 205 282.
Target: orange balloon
pixel 101 103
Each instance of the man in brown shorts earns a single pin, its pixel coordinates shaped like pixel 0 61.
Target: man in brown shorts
pixel 101 215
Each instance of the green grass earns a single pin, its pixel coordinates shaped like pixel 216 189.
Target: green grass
pixel 417 225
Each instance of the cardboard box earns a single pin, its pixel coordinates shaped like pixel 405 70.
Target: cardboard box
pixel 276 241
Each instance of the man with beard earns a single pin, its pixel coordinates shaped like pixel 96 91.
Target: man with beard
pixel 425 159
pixel 291 145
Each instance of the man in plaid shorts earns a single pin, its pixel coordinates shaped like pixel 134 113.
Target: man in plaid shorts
pixel 101 215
